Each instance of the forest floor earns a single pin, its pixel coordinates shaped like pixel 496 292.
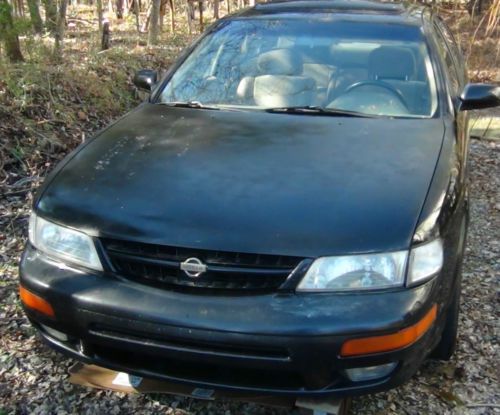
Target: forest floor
pixel 46 109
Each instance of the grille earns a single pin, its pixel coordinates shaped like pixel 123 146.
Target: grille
pixel 159 265
pixel 165 343
pixel 201 371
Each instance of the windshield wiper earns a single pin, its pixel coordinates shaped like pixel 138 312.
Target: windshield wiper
pixel 316 110
pixel 189 104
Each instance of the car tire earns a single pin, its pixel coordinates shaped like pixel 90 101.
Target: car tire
pixel 448 343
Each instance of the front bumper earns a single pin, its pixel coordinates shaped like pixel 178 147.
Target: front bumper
pixel 274 343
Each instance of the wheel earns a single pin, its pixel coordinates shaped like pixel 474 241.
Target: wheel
pixel 448 343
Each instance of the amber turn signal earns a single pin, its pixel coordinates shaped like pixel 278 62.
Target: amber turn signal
pixel 386 343
pixel 35 302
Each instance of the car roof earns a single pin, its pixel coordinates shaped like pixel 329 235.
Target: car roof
pixel 401 12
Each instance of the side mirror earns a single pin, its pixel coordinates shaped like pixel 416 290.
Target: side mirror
pixel 478 96
pixel 145 79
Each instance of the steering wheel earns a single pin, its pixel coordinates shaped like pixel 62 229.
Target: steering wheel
pixel 380 84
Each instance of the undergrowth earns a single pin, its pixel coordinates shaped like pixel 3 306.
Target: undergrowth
pixel 48 108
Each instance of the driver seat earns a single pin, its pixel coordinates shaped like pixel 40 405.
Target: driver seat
pixel 390 63
pixel 397 66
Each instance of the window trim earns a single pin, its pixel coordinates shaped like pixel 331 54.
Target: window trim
pixel 446 95
pixel 439 35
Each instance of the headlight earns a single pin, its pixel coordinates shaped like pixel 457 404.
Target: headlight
pixel 355 272
pixel 425 261
pixel 63 243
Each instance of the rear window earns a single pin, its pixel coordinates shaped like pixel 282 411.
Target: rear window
pixel 262 63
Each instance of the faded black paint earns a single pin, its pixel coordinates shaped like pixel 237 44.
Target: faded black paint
pixel 250 181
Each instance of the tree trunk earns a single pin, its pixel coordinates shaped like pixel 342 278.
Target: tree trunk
pixel 99 14
pixel 61 25
pixel 8 34
pixel 119 9
pixel 134 7
pixel 200 5
pixel 50 7
pixel 145 25
pixel 18 8
pixel 216 9
pixel 163 9
pixel 137 12
pixel 154 23
pixel 172 15
pixel 190 15
pixel 36 19
pixel 106 35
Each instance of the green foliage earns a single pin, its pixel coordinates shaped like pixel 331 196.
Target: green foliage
pixel 22 26
pixel 5 17
pixel 46 108
pixel 18 26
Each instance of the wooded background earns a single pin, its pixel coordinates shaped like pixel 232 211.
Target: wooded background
pixel 50 17
pixel 32 18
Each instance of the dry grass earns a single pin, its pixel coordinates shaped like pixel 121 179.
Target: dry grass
pixel 479 38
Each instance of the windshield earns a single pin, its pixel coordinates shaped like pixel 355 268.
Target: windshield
pixel 265 63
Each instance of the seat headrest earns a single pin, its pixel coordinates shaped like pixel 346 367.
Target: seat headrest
pixel 388 62
pixel 279 62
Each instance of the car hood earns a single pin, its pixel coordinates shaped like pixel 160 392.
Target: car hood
pixel 304 185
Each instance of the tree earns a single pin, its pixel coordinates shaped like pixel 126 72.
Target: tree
pixel 154 23
pixel 18 8
pixel 36 19
pixel 137 12
pixel 50 7
pixel 172 15
pixel 8 33
pixel 119 9
pixel 106 35
pixel 61 25
pixel 216 9
pixel 99 15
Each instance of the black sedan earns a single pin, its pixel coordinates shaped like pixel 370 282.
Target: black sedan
pixel 285 214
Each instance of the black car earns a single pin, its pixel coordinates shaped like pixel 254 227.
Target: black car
pixel 286 213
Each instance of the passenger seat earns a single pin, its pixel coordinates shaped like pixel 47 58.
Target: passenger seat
pixel 279 82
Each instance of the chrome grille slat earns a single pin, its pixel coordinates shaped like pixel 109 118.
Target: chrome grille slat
pixel 159 265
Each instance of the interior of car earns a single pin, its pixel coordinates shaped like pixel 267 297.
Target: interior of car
pixel 336 75
pixel 386 77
